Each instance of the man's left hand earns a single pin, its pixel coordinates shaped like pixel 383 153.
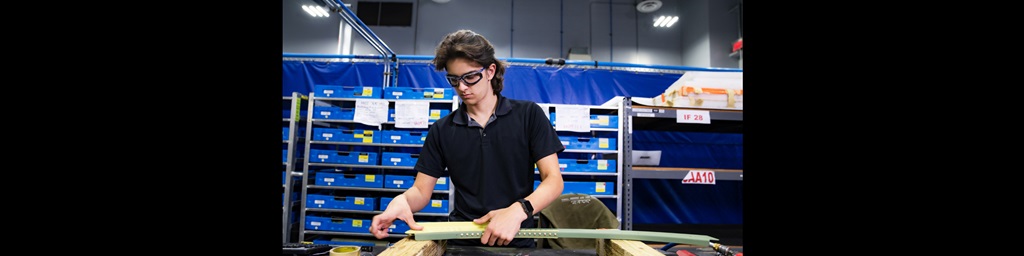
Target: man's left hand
pixel 504 224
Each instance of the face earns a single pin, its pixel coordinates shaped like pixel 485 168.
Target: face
pixel 473 81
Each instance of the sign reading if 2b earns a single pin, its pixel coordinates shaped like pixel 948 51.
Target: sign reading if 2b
pixel 699 177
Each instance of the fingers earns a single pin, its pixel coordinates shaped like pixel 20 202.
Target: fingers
pixel 493 239
pixel 486 236
pixel 412 223
pixel 484 219
pixel 379 227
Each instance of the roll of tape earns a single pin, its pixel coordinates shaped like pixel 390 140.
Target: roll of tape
pixel 346 250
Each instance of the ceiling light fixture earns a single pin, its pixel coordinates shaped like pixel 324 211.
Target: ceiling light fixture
pixel 323 11
pixel 665 21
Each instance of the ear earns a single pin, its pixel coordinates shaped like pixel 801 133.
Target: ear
pixel 492 68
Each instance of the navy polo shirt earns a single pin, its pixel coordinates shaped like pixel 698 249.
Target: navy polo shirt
pixel 491 167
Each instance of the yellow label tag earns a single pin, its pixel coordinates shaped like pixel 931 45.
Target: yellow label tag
pixel 368 132
pixel 367 91
pixel 428 94
pixel 435 203
pixel 439 95
pixel 602 143
pixel 442 180
pixel 603 120
pixel 357 223
pixel 367 139
pixel 435 113
pixel 359 201
pixel 600 187
pixel 369 178
pixel 357 135
pixel 364 159
pixel 602 164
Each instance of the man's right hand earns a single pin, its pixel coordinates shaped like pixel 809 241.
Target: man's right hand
pixel 397 209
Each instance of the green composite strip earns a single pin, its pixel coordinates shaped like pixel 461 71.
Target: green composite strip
pixel 664 237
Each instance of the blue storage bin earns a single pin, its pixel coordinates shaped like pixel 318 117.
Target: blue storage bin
pixel 356 157
pixel 284 133
pixel 593 143
pixel 335 91
pixel 326 134
pixel 349 180
pixel 432 114
pixel 347 114
pixel 436 206
pixel 327 112
pixel 596 121
pixel 585 187
pixel 340 202
pixel 398 227
pixel 398 181
pixel 359 136
pixel 403 137
pixel 436 114
pixel 284 156
pixel 442 183
pixel 322 156
pixel 398 159
pixel 409 93
pixel 338 224
pixel 384 201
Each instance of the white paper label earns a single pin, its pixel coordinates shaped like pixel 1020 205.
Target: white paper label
pixel 328 92
pixel 314 223
pixel 398 182
pixel 395 159
pixel 318 201
pixel 693 116
pixel 328 135
pixel 325 113
pixel 599 187
pixel 442 180
pixel 396 137
pixel 645 114
pixel 328 179
pixel 396 93
pixel 371 112
pixel 572 118
pixel 699 177
pixel 410 114
pixel 563 166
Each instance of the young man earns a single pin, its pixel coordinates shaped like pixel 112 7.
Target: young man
pixel 489 146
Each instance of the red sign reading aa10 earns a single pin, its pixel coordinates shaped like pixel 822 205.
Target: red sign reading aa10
pixel 693 116
pixel 699 177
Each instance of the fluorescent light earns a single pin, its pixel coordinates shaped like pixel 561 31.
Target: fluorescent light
pixel 656 22
pixel 310 11
pixel 323 11
pixel 673 21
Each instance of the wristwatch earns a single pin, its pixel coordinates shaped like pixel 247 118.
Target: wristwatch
pixel 527 206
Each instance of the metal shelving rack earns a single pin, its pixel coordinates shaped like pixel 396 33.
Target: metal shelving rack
pixel 308 184
pixel 294 105
pixel 722 120
pixel 622 199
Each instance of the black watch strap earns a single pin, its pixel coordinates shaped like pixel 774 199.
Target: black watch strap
pixel 527 206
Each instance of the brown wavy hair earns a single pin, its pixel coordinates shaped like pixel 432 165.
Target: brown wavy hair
pixel 468 44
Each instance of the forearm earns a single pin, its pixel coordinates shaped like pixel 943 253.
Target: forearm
pixel 415 198
pixel 549 189
pixel 419 194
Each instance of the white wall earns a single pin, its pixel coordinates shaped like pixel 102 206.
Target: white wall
pixel 539 29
